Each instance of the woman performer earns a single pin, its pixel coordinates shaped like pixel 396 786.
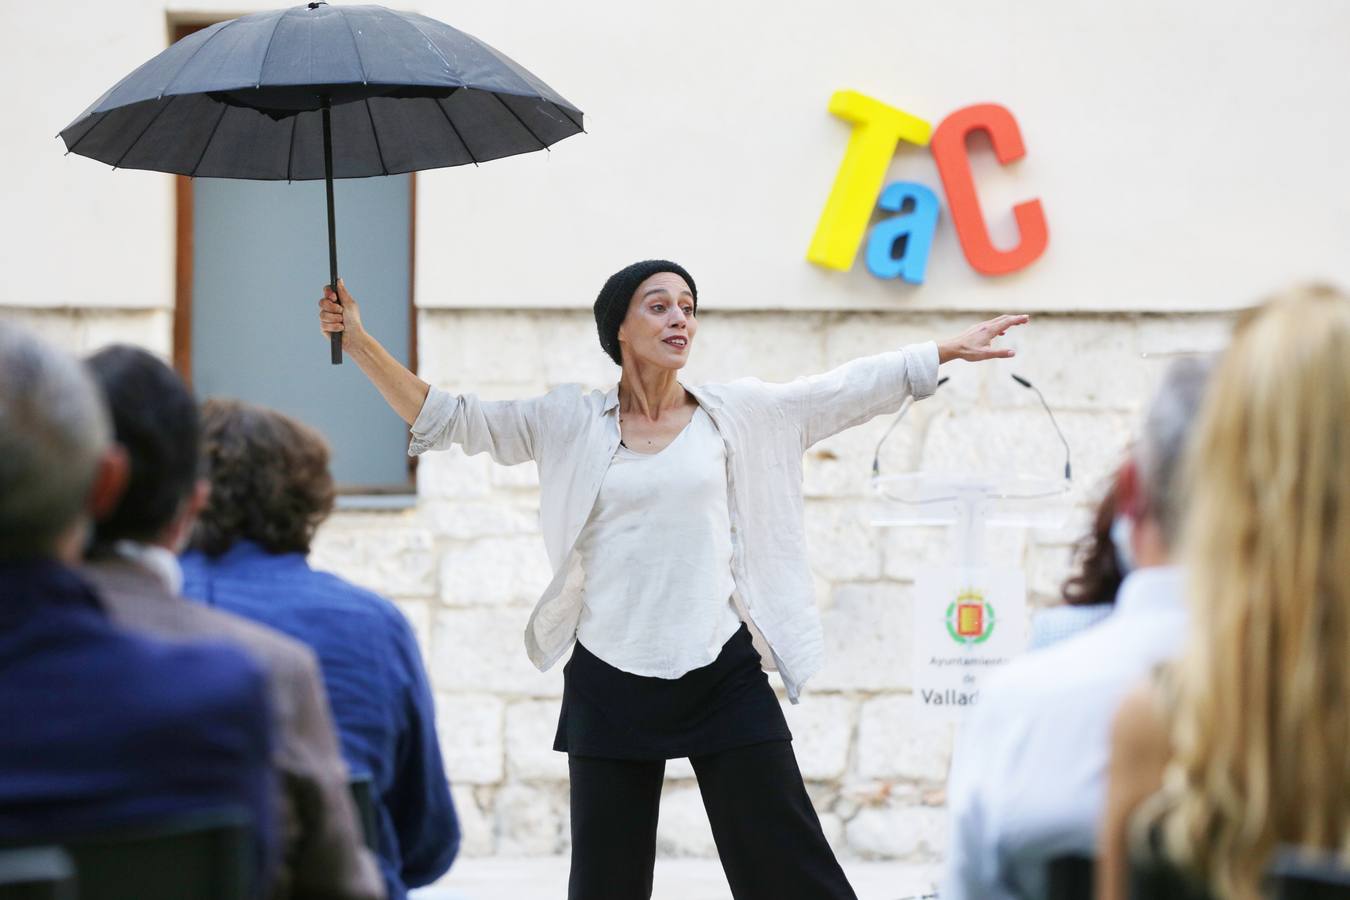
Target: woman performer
pixel 673 520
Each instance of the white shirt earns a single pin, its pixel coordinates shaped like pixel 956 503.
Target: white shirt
pixel 657 558
pixel 766 428
pixel 159 560
pixel 1028 782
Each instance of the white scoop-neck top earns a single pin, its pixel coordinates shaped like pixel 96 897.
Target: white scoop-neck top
pixel 656 556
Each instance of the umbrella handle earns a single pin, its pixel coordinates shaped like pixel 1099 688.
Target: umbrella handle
pixel 335 338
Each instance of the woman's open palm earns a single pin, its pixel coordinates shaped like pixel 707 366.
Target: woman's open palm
pixel 976 343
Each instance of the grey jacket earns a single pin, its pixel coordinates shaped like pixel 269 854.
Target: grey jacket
pixel 322 854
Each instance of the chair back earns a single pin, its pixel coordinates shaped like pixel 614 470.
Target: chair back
pixel 1304 875
pixel 1159 879
pixel 207 855
pixel 1070 877
pixel 36 873
pixel 362 789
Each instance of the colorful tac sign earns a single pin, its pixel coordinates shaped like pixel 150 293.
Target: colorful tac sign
pixel 969 622
pixel 878 130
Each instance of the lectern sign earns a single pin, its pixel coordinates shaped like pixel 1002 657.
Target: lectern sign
pixel 970 620
pixel 968 623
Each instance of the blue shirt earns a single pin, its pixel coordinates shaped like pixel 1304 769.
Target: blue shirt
pixel 102 728
pixel 1055 623
pixel 376 685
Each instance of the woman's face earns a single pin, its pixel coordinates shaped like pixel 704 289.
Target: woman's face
pixel 659 327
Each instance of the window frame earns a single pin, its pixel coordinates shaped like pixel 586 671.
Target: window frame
pixel 184 239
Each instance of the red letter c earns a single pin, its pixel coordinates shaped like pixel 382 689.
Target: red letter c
pixel 949 150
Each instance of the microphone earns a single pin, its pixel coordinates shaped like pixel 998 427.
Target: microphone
pixel 909 402
pixel 904 408
pixel 1068 468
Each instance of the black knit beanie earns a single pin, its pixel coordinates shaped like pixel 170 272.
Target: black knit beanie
pixel 612 304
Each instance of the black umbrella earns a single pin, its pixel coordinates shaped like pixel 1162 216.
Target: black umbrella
pixel 322 91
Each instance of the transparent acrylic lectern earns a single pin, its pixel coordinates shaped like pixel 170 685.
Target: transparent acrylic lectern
pixel 969 615
pixel 970 502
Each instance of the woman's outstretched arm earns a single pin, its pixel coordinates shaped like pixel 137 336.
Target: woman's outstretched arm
pixel 401 389
pixel 862 388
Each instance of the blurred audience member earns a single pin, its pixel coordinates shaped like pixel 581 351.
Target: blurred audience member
pixel 1029 777
pixel 136 572
pixel 1248 733
pixel 1090 592
pixel 270 490
pixel 101 728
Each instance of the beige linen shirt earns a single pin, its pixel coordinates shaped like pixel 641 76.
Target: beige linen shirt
pixel 571 435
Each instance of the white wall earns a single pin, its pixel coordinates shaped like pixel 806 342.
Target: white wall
pixel 73 232
pixel 1165 191
pixel 1188 155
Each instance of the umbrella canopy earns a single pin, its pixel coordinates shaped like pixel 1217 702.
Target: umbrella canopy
pixel 244 98
pixel 321 91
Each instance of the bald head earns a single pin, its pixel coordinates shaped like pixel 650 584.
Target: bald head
pixel 53 435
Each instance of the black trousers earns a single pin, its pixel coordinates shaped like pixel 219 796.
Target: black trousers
pixel 768 835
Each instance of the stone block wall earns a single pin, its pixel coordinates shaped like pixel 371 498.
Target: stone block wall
pixel 465 561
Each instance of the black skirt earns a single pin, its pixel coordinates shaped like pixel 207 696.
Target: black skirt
pixel 613 714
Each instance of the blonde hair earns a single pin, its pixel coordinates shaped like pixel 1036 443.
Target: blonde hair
pixel 1261 721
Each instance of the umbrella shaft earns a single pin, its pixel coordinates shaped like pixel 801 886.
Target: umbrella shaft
pixel 335 339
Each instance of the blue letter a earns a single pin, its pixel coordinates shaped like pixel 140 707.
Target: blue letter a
pixel 915 226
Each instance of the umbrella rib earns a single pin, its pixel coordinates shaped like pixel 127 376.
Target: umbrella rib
pixel 90 130
pixel 224 108
pixel 169 84
pixel 376 135
pixel 200 48
pixel 153 119
pixel 356 47
pixel 268 50
pixel 440 104
pixel 290 151
pixel 563 110
pixel 519 119
pixel 430 43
